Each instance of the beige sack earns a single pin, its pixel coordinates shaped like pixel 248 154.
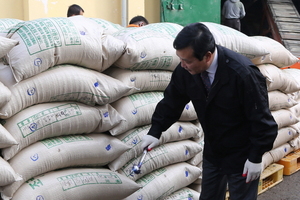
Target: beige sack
pixel 95 149
pixel 281 151
pixel 6 76
pixel 161 156
pixel 177 132
pixel 5 96
pixel 284 118
pixel 149 47
pixel 107 26
pixel 77 184
pixel 46 42
pixel 141 80
pixel 64 83
pixel 138 108
pixel 278 54
pixel 277 79
pixel 279 100
pixel 7 173
pixel 198 158
pixel 183 193
pixel 164 181
pixel 6 139
pixel 6 45
pixel 55 119
pixel 293 74
pixel 295 109
pixel 284 135
pixel 236 40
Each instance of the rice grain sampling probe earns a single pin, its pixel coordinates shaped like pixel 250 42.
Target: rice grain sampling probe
pixel 136 168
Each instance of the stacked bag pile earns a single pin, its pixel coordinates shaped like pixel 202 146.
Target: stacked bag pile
pixel 78 95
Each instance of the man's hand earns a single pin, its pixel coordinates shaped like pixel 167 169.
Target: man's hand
pixel 252 171
pixel 150 142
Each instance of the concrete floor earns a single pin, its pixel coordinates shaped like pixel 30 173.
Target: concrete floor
pixel 288 189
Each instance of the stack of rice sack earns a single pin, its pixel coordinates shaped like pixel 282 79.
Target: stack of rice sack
pixel 283 89
pixel 57 111
pixel 146 66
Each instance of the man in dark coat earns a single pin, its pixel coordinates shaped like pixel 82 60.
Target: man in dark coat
pixel 232 108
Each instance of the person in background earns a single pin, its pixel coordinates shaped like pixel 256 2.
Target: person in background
pixel 232 13
pixel 138 21
pixel 74 10
pixel 230 97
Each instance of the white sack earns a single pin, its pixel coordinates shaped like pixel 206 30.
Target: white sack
pixel 138 108
pixel 46 42
pixel 285 135
pixel 279 100
pixel 55 119
pixel 295 109
pixel 107 26
pixel 278 54
pixel 6 139
pixel 149 47
pixel 183 193
pixel 277 79
pixel 6 44
pixel 178 131
pixel 64 83
pixel 7 173
pixel 284 118
pixel 164 181
pixel 6 75
pixel 236 40
pixel 141 80
pixel 281 151
pixel 6 24
pixel 95 149
pixel 5 94
pixel 293 74
pixel 77 184
pixel 161 156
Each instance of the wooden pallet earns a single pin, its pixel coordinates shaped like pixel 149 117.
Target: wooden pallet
pixel 291 162
pixel 270 177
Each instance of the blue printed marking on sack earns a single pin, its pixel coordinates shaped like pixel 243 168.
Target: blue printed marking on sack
pixel 135 141
pixel 187 107
pixel 82 32
pixel 132 79
pixel 40 197
pixel 34 157
pixel 180 129
pixel 186 152
pixel 33 127
pixel 37 62
pixel 106 114
pixel 96 84
pixel 186 174
pixel 108 147
pixel 134 111
pixel 143 54
pixel 31 91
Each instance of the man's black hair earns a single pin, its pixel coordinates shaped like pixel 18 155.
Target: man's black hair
pixel 138 19
pixel 197 36
pixel 74 10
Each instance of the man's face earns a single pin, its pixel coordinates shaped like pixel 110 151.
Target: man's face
pixel 192 64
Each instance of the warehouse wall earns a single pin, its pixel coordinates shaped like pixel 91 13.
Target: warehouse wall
pixel 110 10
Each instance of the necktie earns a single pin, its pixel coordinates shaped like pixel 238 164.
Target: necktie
pixel 206 81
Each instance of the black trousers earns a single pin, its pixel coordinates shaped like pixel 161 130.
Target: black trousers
pixel 233 23
pixel 214 185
